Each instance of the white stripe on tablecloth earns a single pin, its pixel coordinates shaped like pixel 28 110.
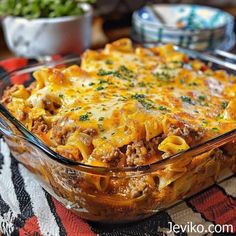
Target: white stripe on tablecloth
pixel 229 186
pixel 181 214
pixel 41 209
pixel 8 196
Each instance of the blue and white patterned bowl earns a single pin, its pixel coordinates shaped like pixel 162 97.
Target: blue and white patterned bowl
pixel 192 26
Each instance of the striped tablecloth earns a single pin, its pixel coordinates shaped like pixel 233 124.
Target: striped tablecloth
pixel 27 209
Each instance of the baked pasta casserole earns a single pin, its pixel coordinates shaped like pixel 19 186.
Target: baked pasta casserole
pixel 126 107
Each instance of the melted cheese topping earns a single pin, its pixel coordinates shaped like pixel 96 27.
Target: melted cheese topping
pixel 122 96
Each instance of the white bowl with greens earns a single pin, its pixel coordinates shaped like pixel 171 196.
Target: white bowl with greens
pixel 37 32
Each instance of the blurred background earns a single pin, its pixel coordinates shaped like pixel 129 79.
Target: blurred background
pixel 112 19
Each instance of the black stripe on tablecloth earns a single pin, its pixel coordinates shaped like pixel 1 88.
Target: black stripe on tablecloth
pixel 149 227
pixel 21 194
pixel 4 208
pixel 62 230
pixel 2 71
pixel 1 161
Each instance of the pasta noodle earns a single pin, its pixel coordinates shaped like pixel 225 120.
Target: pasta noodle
pixel 173 144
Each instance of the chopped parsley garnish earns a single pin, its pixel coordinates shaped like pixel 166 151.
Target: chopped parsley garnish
pixel 102 81
pixel 102 72
pixel 109 62
pixel 224 104
pixel 117 74
pixel 84 117
pixel 215 129
pixel 91 84
pixel 142 84
pixel 100 88
pixel 193 84
pixel 176 64
pixel 163 76
pixel 162 108
pixel 187 99
pixel 202 100
pixel 202 97
pixel 101 118
pixel 220 116
pixel 122 98
pixel 101 127
pixel 76 108
pixel 144 102
pixel 61 95
pixel 126 72
pixel 123 73
pixel 138 96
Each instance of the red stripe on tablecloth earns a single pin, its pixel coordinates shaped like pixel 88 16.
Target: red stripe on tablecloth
pixel 20 79
pixel 13 63
pixel 31 227
pixel 72 223
pixel 216 206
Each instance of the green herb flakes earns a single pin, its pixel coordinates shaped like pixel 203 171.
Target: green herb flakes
pixel 224 104
pixel 144 102
pixel 138 96
pixel 102 72
pixel 142 84
pixel 162 108
pixel 109 62
pixel 102 81
pixel 202 98
pixel 84 117
pixel 215 129
pixel 187 99
pixel 100 88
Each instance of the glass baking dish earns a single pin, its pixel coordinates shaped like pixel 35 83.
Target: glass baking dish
pixel 83 188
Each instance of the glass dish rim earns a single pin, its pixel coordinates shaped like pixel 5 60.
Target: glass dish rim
pixel 32 139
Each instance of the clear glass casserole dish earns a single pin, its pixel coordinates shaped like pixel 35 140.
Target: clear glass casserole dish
pixel 84 188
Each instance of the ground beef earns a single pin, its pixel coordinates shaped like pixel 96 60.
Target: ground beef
pixel 190 134
pixel 138 152
pixel 137 187
pixel 90 131
pixel 61 133
pixel 39 126
pixel 6 98
pixel 22 115
pixel 73 154
pixel 114 157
